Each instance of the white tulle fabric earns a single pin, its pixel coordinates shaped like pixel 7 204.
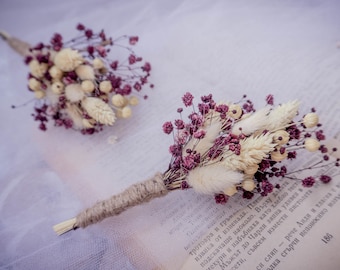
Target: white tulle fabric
pixel 227 48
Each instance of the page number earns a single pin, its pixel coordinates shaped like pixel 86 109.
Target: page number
pixel 326 238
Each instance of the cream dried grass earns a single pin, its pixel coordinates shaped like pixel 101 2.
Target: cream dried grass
pixel 213 178
pixel 99 110
pixel 253 150
pixel 282 115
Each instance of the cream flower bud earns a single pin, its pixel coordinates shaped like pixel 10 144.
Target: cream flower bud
pixel 68 59
pixel 87 86
pixel 105 86
pixel 34 84
pixel 74 92
pixel 278 156
pixel 57 87
pixel 235 111
pixel 39 94
pixel 251 169
pixel 281 137
pixel 311 144
pixel 37 69
pixel 118 100
pixel 55 73
pixel 133 101
pixel 248 185
pixel 126 112
pixel 311 120
pixel 230 191
pixel 98 63
pixel 85 72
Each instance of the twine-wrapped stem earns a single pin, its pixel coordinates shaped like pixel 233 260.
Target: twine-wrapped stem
pixel 16 44
pixel 134 195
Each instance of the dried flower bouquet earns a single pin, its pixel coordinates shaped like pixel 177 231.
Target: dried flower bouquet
pixel 224 149
pixel 77 85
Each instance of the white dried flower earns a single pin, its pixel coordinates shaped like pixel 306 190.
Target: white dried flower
pixel 85 72
pixel 278 155
pixel 57 87
pixel 248 185
pixel 55 73
pixel 105 86
pixel 281 137
pixel 87 86
pixel 74 113
pixel 253 150
pixel 213 178
pixel 251 123
pixel 235 111
pixel 39 94
pixel 126 112
pixel 68 59
pixel 230 191
pixel 52 98
pixel 133 100
pixel 311 144
pixel 37 69
pixel 311 120
pixel 112 139
pixel 34 84
pixel 99 110
pixel 74 92
pixel 251 169
pixel 282 115
pixel 118 100
pixel 98 63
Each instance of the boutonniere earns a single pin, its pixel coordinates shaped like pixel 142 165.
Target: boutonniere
pixel 76 82
pixel 226 150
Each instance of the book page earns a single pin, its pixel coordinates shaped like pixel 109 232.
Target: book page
pixel 282 231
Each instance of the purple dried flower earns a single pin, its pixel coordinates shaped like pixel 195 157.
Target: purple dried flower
pixel 270 100
pixel 308 182
pixel 133 40
pixel 146 67
pixel 168 127
pixel 179 123
pixel 207 99
pixel 325 178
pixel 187 99
pixel 80 27
pixel 221 198
pixel 88 33
pixel 199 134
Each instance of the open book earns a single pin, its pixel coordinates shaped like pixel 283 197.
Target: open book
pixel 229 48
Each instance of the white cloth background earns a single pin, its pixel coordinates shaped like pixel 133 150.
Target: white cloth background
pixel 228 48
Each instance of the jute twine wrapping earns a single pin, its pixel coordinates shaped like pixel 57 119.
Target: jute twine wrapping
pixel 18 45
pixel 134 195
